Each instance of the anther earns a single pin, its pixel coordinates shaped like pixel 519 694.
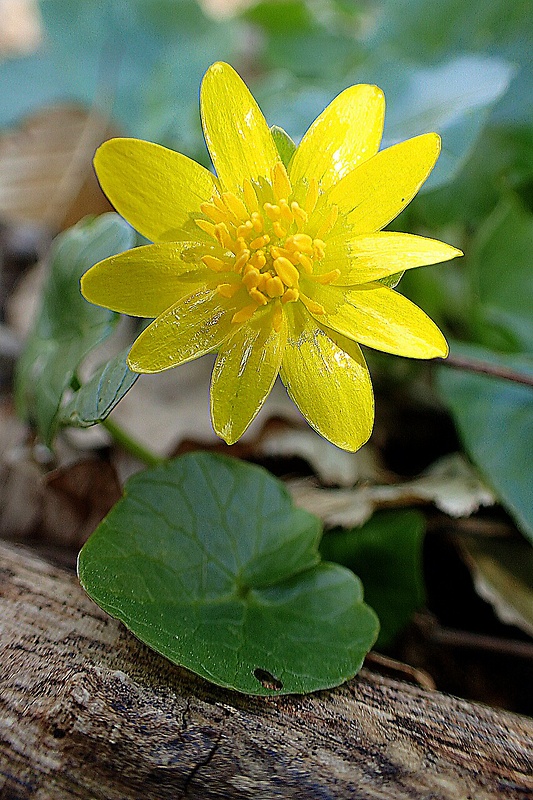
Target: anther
pixel 278 252
pixel 319 249
pixel 272 212
pixel 241 260
pixel 251 279
pixel 257 222
pixel 306 263
pixel 274 287
pixel 244 314
pixel 286 271
pixel 211 211
pixel 235 205
pixel 299 213
pixel 312 307
pixel 258 296
pixel 290 296
pixel 261 241
pixel 302 242
pixel 258 259
pixel 207 227
pixel 327 277
pixel 250 195
pixel 286 213
pixel 222 235
pixel 244 230
pixel 280 181
pixel 214 263
pixel 228 289
pixel 279 230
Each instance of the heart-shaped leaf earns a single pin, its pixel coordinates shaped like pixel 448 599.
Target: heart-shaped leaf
pixel 209 563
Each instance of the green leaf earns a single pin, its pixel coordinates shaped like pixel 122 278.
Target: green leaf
pixel 68 327
pixel 208 562
pixel 494 419
pixel 284 144
pixel 97 398
pixel 387 553
pixel 501 277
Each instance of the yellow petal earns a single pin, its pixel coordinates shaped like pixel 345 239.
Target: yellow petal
pixel 379 317
pixel 347 133
pixel 326 376
pixel 368 257
pixel 245 370
pixel 145 281
pixel 196 325
pixel 375 193
pixel 237 135
pixel 153 188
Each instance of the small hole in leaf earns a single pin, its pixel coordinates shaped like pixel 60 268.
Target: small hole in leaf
pixel 267 680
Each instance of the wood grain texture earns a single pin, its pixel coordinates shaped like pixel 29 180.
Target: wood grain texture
pixel 86 711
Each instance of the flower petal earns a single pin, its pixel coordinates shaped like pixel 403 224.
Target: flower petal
pixel 368 257
pixel 326 376
pixel 145 281
pixel 375 193
pixel 347 133
pixel 379 317
pixel 153 188
pixel 196 325
pixel 245 370
pixel 236 132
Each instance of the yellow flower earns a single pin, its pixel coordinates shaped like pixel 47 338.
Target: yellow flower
pixel 276 270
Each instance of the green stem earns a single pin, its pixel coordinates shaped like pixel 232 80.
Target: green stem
pixel 129 444
pixel 485 368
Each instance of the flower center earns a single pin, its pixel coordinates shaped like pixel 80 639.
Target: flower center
pixel 265 247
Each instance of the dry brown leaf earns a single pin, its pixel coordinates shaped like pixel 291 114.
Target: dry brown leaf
pixel 46 174
pixel 451 484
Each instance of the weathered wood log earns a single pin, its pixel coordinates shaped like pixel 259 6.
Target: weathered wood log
pixel 86 711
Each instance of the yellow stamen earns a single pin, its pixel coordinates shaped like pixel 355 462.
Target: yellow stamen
pixel 251 278
pixel 329 223
pixel 277 318
pixel 207 227
pixel 300 241
pixel 222 235
pixel 235 205
pixel 241 260
pixel 228 289
pixel 277 252
pixel 312 307
pixel 261 241
pixel 286 213
pixel 240 246
pixel 272 212
pixel 311 196
pixel 244 314
pixel 327 277
pixel 258 259
pixel 280 181
pixel 258 296
pixel 279 230
pixel 286 271
pixel 250 195
pixel 214 263
pixel 212 212
pixel 290 296
pixel 257 222
pixel 319 248
pixel 299 213
pixel 274 287
pixel 246 229
pixel 306 263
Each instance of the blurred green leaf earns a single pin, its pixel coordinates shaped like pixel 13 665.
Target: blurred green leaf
pixel 68 327
pixel 96 399
pixel 209 563
pixel 501 276
pixel 494 419
pixel 284 144
pixel 387 553
pixel 142 62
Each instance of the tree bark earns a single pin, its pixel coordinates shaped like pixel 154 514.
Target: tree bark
pixel 87 711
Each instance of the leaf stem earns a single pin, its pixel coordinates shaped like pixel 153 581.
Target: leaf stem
pixel 131 445
pixel 486 368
